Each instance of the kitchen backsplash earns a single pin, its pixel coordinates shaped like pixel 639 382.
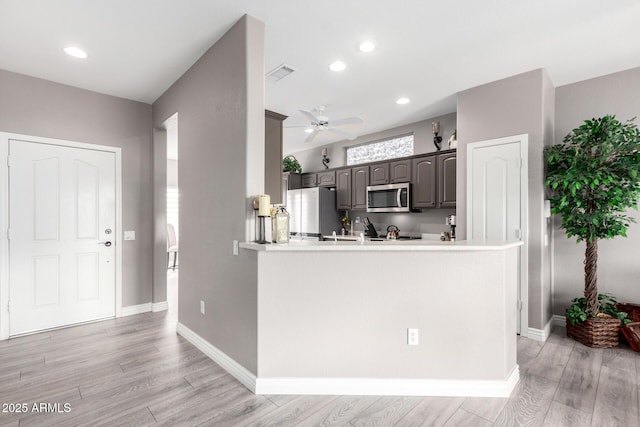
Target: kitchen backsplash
pixel 410 224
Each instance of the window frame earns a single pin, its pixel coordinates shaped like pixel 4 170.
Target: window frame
pixel 377 141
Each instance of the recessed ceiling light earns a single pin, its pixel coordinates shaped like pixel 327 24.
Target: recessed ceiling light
pixel 76 52
pixel 366 46
pixel 308 130
pixel 403 101
pixel 337 66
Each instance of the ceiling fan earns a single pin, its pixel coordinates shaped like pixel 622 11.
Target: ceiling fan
pixel 319 122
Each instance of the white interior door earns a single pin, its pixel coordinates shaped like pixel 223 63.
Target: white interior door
pixel 62 235
pixel 496 207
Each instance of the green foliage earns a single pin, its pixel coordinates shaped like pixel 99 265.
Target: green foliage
pixel 291 164
pixel 594 176
pixel 578 311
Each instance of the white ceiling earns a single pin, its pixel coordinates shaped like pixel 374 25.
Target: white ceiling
pixel 428 50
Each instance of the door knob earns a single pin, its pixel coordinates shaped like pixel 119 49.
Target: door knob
pixel 107 243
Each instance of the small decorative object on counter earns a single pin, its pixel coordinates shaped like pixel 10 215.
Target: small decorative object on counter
pixel 445 236
pixel 451 222
pixel 274 211
pixel 281 232
pixel 264 210
pixel 345 220
pixel 393 232
pixel 453 140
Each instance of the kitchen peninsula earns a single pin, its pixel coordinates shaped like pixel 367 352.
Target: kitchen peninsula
pixel 335 318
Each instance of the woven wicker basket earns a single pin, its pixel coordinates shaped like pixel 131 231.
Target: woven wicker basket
pixel 596 333
pixel 631 333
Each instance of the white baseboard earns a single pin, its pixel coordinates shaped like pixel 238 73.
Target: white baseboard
pixel 558 320
pixel 159 306
pixel 389 386
pixel 540 334
pixel 236 370
pixel 352 386
pixel 130 310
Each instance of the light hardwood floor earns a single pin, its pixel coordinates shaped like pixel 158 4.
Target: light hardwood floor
pixel 136 371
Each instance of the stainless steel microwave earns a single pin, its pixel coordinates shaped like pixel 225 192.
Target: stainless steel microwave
pixel 388 198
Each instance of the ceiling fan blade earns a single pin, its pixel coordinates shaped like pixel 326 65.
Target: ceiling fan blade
pixel 310 115
pixel 347 121
pixel 342 133
pixel 312 135
pixel 297 126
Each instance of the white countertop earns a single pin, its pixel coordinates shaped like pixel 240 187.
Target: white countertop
pixel 388 245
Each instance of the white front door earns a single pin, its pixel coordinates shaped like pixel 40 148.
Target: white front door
pixel 62 235
pixel 496 189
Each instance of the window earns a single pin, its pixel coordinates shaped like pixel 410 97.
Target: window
pixel 401 146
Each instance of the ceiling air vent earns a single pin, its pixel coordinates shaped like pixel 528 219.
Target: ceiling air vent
pixel 280 72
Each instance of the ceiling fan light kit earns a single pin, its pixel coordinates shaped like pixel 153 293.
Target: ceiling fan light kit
pixel 319 122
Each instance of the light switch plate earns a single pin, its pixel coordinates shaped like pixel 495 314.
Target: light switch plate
pixel 130 235
pixel 412 336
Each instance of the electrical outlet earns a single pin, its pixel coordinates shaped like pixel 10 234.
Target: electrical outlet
pixel 201 307
pixel 235 247
pixel 412 336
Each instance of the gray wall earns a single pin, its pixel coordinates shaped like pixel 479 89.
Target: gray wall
pixel 42 108
pixel 220 105
pixel 512 106
pixel 311 159
pixel 618 266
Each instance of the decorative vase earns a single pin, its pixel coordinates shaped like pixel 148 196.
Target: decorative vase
pixel 453 142
pixel 602 332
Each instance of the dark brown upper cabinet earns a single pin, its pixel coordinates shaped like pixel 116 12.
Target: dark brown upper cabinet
pixel 424 188
pixel 359 183
pixel 309 180
pixel 379 174
pixel 343 189
pixel 400 171
pixel 447 180
pixel 327 178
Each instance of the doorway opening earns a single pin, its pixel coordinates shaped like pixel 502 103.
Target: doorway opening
pixel 172 214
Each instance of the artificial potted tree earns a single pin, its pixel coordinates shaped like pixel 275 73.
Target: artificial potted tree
pixel 594 177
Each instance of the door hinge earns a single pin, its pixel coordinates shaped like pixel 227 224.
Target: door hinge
pixel 9 306
pixel 519 305
pixel 9 161
pixel 521 163
pixel 518 234
pixel 8 234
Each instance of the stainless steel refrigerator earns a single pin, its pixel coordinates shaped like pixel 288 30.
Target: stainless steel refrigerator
pixel 313 213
